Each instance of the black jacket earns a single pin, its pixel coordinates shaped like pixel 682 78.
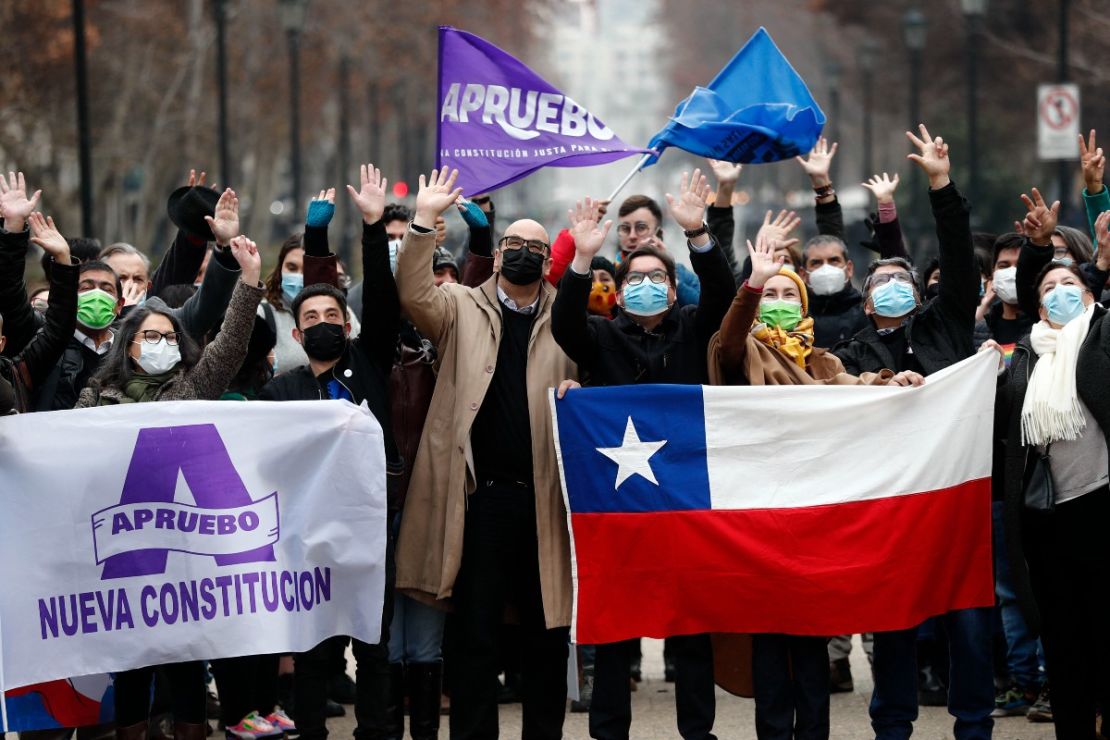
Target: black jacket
pixel 619 351
pixel 1091 372
pixel 365 366
pixel 34 363
pixel 940 332
pixel 837 317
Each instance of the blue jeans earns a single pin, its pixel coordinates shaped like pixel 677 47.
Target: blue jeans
pixel 1023 660
pixel 970 682
pixel 416 632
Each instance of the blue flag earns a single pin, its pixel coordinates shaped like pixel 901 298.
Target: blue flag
pixel 757 109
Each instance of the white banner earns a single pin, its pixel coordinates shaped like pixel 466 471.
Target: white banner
pixel 142 534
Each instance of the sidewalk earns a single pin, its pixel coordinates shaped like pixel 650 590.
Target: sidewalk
pixel 653 712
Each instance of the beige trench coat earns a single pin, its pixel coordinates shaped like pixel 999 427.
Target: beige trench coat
pixel 465 326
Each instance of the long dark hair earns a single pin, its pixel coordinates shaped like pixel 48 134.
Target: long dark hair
pixel 117 368
pixel 273 282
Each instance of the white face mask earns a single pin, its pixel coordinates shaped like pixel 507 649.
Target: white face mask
pixel 394 248
pixel 828 279
pixel 158 358
pixel 1005 284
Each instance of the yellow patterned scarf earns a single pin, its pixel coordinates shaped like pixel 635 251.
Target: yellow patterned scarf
pixel 797 343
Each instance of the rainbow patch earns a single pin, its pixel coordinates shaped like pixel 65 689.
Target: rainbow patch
pixel 1008 352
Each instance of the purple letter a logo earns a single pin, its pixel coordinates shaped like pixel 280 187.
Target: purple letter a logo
pixel 199 454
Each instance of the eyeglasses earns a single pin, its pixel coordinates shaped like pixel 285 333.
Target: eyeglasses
pixel 655 276
pixel 642 229
pixel 535 246
pixel 882 278
pixel 152 336
pixel 1060 253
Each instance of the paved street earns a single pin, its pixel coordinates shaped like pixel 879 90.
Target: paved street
pixel 653 712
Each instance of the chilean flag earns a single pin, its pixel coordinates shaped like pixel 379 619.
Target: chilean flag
pixel 807 510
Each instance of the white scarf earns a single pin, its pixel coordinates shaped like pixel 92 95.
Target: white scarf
pixel 1051 411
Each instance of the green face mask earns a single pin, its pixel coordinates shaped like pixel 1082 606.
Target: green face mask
pixel 96 309
pixel 783 315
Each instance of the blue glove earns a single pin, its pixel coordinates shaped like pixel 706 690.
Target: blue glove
pixel 319 213
pixel 473 215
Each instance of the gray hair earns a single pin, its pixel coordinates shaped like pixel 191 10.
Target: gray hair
pixel 123 248
pixel 824 240
pixel 902 262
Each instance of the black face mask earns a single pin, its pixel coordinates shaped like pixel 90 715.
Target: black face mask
pixel 324 341
pixel 521 267
pixel 932 291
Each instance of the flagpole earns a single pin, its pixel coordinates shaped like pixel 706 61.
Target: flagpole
pixel 628 178
pixel 3 689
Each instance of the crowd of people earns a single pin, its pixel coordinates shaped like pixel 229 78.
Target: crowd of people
pixel 456 362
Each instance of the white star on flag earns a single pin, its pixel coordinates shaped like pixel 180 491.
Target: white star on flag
pixel 633 457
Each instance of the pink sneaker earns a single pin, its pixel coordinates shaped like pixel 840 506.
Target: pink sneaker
pixel 281 721
pixel 252 727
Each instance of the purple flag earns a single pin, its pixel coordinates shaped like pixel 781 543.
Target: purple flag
pixel 499 121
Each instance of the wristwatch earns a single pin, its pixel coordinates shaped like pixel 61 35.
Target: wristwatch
pixel 824 191
pixel 703 229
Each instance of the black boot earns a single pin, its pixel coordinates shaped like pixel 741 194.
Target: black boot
pixel 425 684
pixel 395 710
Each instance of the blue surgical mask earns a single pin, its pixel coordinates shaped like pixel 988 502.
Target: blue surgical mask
pixel 893 299
pixel 1064 303
pixel 292 283
pixel 646 298
pixel 1063 262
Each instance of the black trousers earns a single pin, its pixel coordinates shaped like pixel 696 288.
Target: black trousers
pixel 500 566
pixel 791 676
pixel 246 684
pixel 694 697
pixel 312 669
pixel 1069 563
pixel 187 689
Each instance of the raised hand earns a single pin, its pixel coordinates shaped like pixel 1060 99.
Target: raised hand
pixel 818 163
pixel 225 223
pixel 589 237
pixel 727 173
pixel 882 187
pixel 1093 162
pixel 1041 219
pixel 688 210
pixel 778 229
pixel 195 181
pixel 1102 241
pixel 436 194
pixel 370 197
pixel 441 231
pixel 46 235
pixel 15 206
pixel 933 157
pixel 133 292
pixel 246 254
pixel 765 265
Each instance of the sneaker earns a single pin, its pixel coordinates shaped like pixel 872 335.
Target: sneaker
pixel 840 676
pixel 1041 711
pixel 585 694
pixel 1013 702
pixel 281 721
pixel 251 728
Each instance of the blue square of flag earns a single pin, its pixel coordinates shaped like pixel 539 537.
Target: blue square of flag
pixel 635 448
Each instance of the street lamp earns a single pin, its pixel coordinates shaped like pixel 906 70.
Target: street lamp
pixel 914 29
pixel 868 58
pixel 219 9
pixel 973 10
pixel 834 74
pixel 293 14
pixel 84 138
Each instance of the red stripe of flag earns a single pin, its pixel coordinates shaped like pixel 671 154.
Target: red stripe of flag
pixel 846 568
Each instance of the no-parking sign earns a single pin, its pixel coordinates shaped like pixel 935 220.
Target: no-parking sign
pixel 1058 121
